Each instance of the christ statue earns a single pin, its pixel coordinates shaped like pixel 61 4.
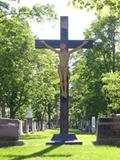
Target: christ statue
pixel 63 68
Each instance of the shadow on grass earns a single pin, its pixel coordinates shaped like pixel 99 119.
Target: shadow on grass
pixel 42 153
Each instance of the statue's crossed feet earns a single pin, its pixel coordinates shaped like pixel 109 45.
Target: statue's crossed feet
pixel 64 95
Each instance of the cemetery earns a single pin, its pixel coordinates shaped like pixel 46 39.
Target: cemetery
pixel 59 97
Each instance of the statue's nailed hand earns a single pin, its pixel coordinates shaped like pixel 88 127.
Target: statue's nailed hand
pixel 85 42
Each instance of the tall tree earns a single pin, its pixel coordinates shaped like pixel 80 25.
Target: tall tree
pixel 87 93
pixel 45 86
pixel 111 88
pixel 16 54
pixel 14 67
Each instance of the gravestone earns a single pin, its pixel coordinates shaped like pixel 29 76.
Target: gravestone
pixel 9 132
pixel 108 131
pixel 64 137
pixel 93 125
pixel 34 128
pixel 20 127
pixel 29 118
pixel 25 126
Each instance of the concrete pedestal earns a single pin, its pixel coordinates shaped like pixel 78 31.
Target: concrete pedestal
pixel 64 139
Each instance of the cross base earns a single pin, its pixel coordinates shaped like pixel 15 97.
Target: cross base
pixel 64 138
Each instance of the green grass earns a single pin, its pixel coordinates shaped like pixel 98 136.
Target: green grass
pixel 36 149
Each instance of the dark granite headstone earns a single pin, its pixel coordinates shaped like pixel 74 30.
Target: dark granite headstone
pixel 9 132
pixel 108 131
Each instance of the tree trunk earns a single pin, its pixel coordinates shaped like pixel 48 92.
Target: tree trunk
pixel 49 115
pixel 113 50
pixel 64 111
pixel 12 113
pixel 41 124
pixel 3 112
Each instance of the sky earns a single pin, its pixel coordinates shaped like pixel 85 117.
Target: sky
pixel 78 20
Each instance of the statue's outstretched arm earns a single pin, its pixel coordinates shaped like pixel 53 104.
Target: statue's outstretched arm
pixel 49 47
pixel 79 47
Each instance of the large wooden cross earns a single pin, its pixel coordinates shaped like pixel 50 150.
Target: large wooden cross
pixel 64 136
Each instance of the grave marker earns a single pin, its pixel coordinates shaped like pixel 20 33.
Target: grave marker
pixel 108 131
pixel 9 132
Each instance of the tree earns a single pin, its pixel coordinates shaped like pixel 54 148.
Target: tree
pixel 105 33
pixel 111 88
pixel 101 7
pixel 15 67
pixel 87 95
pixel 38 12
pixel 45 87
pixel 16 54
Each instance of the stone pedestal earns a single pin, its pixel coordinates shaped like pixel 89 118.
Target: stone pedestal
pixel 67 138
pixel 108 131
pixel 64 137
pixel 9 132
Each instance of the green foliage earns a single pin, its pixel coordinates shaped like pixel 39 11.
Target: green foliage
pixel 111 88
pixel 15 55
pixel 87 96
pixel 18 82
pixel 101 7
pixel 106 34
pixel 26 75
pixel 3 5
pixel 45 84
pixel 38 12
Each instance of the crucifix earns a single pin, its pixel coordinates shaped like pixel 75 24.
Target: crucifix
pixel 64 48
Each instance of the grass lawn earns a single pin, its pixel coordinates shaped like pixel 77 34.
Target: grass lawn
pixel 36 149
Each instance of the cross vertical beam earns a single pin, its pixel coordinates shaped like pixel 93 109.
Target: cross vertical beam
pixel 64 29
pixel 64 110
pixel 64 101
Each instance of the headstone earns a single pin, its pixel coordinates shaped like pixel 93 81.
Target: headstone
pixel 44 127
pixel 9 132
pixel 25 126
pixel 108 131
pixel 37 126
pixel 93 125
pixel 34 127
pixel 20 127
pixel 29 118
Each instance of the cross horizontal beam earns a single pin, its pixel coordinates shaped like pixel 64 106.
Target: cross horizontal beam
pixel 69 43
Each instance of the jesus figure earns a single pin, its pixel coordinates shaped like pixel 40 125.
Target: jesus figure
pixel 63 68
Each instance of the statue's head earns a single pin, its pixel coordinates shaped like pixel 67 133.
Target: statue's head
pixel 63 46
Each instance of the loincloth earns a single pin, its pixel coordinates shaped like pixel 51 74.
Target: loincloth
pixel 63 67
